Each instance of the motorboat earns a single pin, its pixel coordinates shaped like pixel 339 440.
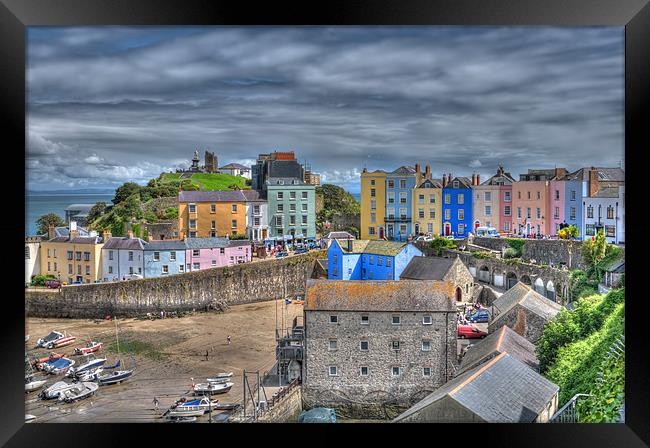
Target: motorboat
pixel 176 413
pixel 39 361
pixel 90 375
pixel 91 363
pixel 55 339
pixel 89 348
pixel 227 406
pixel 78 392
pixel 55 390
pixel 29 418
pixel 182 419
pixel 32 384
pixel 116 376
pixel 59 365
pixel 220 377
pixel 54 335
pixel 212 388
pixel 203 404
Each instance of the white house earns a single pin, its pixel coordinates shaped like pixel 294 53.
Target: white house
pixel 605 210
pixel 236 169
pixel 32 258
pixel 122 256
pixel 257 221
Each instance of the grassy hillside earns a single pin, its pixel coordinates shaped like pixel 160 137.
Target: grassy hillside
pixel 207 181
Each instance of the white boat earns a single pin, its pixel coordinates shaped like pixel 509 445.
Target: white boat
pixel 55 339
pixel 26 337
pixel 91 363
pixel 79 392
pixel 32 385
pixel 182 419
pixel 116 376
pixel 196 413
pixel 212 388
pixel 220 378
pixel 90 375
pixel 29 418
pixel 202 404
pixel 90 347
pixel 55 390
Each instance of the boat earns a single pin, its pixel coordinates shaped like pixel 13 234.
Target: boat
pixel 91 364
pixel 212 388
pixel 54 335
pixel 318 415
pixel 58 365
pixel 89 348
pixel 116 376
pixel 32 384
pixel 38 361
pixel 29 418
pixel 196 413
pixel 227 406
pixel 90 375
pixel 55 339
pixel 182 419
pixel 78 392
pixel 55 390
pixel 203 404
pixel 220 377
pixel 218 380
pixel 26 337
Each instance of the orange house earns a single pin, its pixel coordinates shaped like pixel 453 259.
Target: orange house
pixel 204 214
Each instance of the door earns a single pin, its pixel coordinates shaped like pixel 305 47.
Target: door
pixel 527 229
pixel 447 229
pixel 476 226
pixel 417 228
pixel 381 233
pixel 459 295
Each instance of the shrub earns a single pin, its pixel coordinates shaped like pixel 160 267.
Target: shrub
pixel 516 244
pixel 238 236
pixel 39 280
pixel 171 213
pixel 510 252
pixel 441 245
pixel 481 255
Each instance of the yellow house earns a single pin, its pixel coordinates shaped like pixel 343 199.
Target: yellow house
pixel 72 258
pixel 427 207
pixel 373 204
pixel 205 214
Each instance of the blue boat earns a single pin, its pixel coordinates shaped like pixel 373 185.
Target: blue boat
pixel 57 365
pixel 318 415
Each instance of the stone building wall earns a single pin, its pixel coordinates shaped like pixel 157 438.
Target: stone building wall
pixel 542 251
pixel 199 290
pixel 378 395
pixel 522 321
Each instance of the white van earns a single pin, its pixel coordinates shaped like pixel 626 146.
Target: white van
pixel 489 232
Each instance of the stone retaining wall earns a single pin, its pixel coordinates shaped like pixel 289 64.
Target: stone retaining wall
pixel 542 251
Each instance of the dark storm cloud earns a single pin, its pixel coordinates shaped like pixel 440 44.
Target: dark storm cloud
pixel 106 105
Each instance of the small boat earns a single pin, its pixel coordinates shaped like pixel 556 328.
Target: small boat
pixel 55 390
pixel 32 384
pixel 59 365
pixel 91 363
pixel 38 362
pixel 220 377
pixel 78 392
pixel 89 348
pixel 55 339
pixel 26 337
pixel 114 377
pixel 227 406
pixel 182 419
pixel 196 413
pixel 54 335
pixel 202 404
pixel 29 418
pixel 218 380
pixel 212 388
pixel 90 375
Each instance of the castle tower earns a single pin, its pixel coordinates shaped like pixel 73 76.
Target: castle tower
pixel 211 165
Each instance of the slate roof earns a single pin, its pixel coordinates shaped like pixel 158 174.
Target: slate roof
pixel 165 245
pixel 77 240
pixel 65 231
pixel 124 243
pixel 526 297
pixel 377 295
pixel 607 192
pixel 286 181
pixel 208 243
pixel 404 170
pixel 427 268
pixel 465 182
pixel 434 182
pixel 284 169
pixel 212 196
pixel 254 195
pixel 339 235
pixel 238 166
pixel 504 340
pixel 604 174
pixel 503 390
pixel 374 247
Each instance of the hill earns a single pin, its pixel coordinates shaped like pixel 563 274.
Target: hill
pixel 205 181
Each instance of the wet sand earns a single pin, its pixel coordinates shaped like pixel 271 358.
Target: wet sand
pixel 181 341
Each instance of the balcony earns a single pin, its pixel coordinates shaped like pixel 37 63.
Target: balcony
pixel 398 219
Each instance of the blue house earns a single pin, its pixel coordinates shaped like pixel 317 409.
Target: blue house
pixel 573 203
pixel 456 206
pixel 368 259
pixel 399 199
pixel 166 257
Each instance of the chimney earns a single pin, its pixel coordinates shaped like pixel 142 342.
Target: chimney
pixel 106 235
pixel 129 234
pixel 478 179
pixel 473 179
pixel 444 180
pixel 593 181
pixel 349 244
pixel 74 232
pixel 417 170
pixel 50 232
pixel 427 172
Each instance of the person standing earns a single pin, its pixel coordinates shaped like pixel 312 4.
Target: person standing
pixel 155 403
pixel 228 339
pixel 206 355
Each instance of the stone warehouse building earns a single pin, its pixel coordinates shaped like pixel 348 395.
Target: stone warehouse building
pixel 451 270
pixel 377 347
pixel 524 310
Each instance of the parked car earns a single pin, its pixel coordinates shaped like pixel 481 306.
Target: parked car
pixel 488 232
pixel 424 238
pixel 281 254
pixel 133 277
pixel 470 332
pixel 52 284
pixel 479 316
pixel 300 251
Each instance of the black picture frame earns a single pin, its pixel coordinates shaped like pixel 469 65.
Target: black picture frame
pixel 634 15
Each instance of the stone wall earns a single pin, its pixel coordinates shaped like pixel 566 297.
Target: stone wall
pixel 200 290
pixel 429 252
pixel 286 410
pixel 522 321
pixel 542 251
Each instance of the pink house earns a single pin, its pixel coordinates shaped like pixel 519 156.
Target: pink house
pixel 555 206
pixel 206 253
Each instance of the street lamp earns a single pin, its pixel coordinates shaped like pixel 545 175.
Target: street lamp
pixel 59 274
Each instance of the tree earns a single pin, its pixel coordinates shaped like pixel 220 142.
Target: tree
pixel 441 245
pixel 124 191
pixel 96 211
pixel 51 219
pixel 593 251
pixel 568 232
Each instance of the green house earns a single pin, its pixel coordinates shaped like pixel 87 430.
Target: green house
pixel 291 208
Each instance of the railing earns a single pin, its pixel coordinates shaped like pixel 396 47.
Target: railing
pixel 283 392
pixel 400 219
pixel 567 413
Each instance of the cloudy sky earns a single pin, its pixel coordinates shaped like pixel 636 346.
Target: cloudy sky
pixel 113 104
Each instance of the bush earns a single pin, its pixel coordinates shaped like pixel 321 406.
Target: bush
pixel 441 245
pixel 171 213
pixel 516 244
pixel 580 285
pixel 510 252
pixel 39 280
pixel 238 236
pixel 481 255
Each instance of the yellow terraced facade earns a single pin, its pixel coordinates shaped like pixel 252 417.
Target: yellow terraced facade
pixel 373 204
pixel 427 207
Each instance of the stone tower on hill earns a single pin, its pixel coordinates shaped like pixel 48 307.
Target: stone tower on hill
pixel 211 165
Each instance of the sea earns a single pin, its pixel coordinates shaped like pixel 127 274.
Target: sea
pixel 39 204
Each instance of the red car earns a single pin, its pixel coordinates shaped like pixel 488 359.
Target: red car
pixel 470 332
pixel 51 284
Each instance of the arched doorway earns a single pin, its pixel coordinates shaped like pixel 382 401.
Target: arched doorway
pixel 417 228
pixel 511 280
pixel 528 229
pixel 525 280
pixel 484 274
pixel 550 290
pixel 477 224
pixel 447 229
pixel 539 286
pixel 459 294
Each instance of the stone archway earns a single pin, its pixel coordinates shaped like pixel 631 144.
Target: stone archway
pixel 498 278
pixel 539 286
pixel 525 280
pixel 550 290
pixel 484 274
pixel 511 280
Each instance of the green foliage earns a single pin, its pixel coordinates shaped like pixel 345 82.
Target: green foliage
pixel 139 348
pixel 39 280
pixel 481 255
pixel 353 230
pixel 569 232
pixel 580 285
pixel 96 211
pixel 517 244
pixel 171 213
pixel 441 245
pixel 598 254
pixel 150 217
pixel 125 191
pixel 45 221
pixel 335 201
pixel 510 252
pixel 237 236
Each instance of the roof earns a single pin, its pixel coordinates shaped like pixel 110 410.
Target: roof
pixel 124 243
pixel 503 390
pixel 272 181
pixel 208 243
pixel 65 231
pixel 616 266
pixel 284 169
pixel 500 178
pixel 237 166
pixel 165 245
pixel 378 295
pixel 404 170
pixel 77 240
pixel 523 295
pixel 427 268
pixel 323 263
pixel 339 234
pixel 80 207
pixel 464 182
pixel 504 340
pixel 430 183
pixel 607 192
pixel 604 174
pixel 254 195
pixel 212 196
pixel 375 247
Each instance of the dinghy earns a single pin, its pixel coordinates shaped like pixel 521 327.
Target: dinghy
pixel 90 363
pixel 56 366
pixel 78 392
pixel 32 384
pixel 220 378
pixel 227 406
pixel 202 404
pixel 89 348
pixel 212 388
pixel 55 339
pixel 55 390
pixel 116 376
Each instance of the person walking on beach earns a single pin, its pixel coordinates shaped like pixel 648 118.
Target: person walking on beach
pixel 228 339
pixel 155 403
pixel 206 355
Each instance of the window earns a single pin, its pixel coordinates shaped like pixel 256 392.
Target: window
pixel 539 213
pixel 402 213
pixel 432 199
pixel 192 234
pixel 556 215
pixel 488 196
pixel 590 230
pixel 395 371
pixel 78 268
pixel 528 212
pixel 333 371
pixel 334 319
pixel 539 195
pixel 88 270
pixel 373 217
pixel 305 195
pixel 110 269
pixel 447 214
pixel 304 220
pixel 280 195
pixel 372 182
pixel 461 198
pixel 573 195
pixel 519 195
pixel 304 207
pixel 379 261
pixel 426 346
pixel 335 257
pixel 402 229
pixel 196 266
pixel 529 195
pixel 427 320
pixel 373 204
pixel 130 255
pixel 456 184
pixel 461 214
pixel 421 199
pixel 130 270
pixel 213 225
pixel 363 346
pixel 402 197
pixel 506 196
pixel 372 193
pixel 572 213
pixel 430 226
pixel 192 208
pixel 426 371
pixel 156 256
pixel 363 371
pixel 391 183
pixel 506 226
pixel 372 260
pixel 280 208
pixel 256 209
pixel 447 198
pixel 54 253
pixel 518 212
pixel 538 229
pixel 371 230
pixel 610 231
pixel 77 254
pixel 292 195
pixel 488 210
pixel 590 212
pixel 333 344
pixel 181 268
pixel 557 195
pixel 196 252
pixel 506 210
pixel 365 319
pixel 396 320
pixel 234 224
pixel 48 265
pixel 402 183
pixel 165 269
pixel 292 220
pixel 110 255
pixel 192 223
pixel 391 213
pixel 394 345
pixel 140 269
pixel 461 229
pixel 388 262
pixel 292 208
pixel 610 212
pixel 421 213
pixel 213 208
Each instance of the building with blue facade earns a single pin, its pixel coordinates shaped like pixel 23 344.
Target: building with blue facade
pixel 573 203
pixel 368 259
pixel 456 206
pixel 399 199
pixel 166 257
